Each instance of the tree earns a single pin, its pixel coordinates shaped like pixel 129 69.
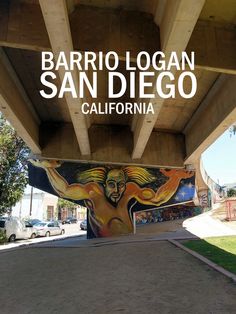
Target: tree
pixel 13 166
pixel 64 204
pixel 231 193
pixel 233 129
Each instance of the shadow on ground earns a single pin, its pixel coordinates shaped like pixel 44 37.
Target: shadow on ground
pixel 119 275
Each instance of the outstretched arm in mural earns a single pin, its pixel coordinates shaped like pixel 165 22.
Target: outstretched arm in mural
pixel 73 191
pixel 167 190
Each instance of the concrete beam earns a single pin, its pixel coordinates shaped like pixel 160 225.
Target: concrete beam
pixel 112 144
pixel 215 115
pixel 200 175
pixel 92 28
pixel 70 6
pixel 214 45
pixel 25 33
pixel 176 26
pixel 58 27
pixel 16 106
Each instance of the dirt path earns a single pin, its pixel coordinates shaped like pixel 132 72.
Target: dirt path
pixel 115 276
pixel 150 277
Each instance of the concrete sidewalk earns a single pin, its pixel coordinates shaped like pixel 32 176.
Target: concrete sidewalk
pixel 205 225
pixel 143 277
pixel 208 224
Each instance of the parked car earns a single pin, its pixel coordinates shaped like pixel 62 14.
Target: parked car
pixel 83 225
pixel 34 221
pixel 70 220
pixel 17 228
pixel 49 228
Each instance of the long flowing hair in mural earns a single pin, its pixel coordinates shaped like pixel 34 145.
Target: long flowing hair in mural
pixel 112 193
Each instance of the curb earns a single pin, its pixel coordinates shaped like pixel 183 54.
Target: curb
pixel 205 260
pixel 25 245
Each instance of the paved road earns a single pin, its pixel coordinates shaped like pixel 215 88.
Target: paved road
pixel 73 229
pixel 70 231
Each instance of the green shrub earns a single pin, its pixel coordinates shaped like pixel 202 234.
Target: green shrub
pixel 3 237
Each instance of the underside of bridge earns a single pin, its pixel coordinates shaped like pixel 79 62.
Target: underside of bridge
pixel 179 130
pixel 174 135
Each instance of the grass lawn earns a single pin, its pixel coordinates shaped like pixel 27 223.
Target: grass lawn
pixel 220 250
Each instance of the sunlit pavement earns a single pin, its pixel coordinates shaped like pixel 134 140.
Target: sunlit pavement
pixel 71 231
pixel 200 226
pixel 204 226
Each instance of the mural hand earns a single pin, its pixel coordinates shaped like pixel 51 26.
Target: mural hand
pixel 45 163
pixel 168 172
pixel 185 174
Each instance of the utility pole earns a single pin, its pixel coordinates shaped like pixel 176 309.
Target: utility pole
pixel 20 207
pixel 31 200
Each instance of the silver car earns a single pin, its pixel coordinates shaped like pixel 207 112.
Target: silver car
pixel 49 228
pixel 83 225
pixel 16 228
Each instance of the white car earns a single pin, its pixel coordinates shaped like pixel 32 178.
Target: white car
pixel 17 228
pixel 49 228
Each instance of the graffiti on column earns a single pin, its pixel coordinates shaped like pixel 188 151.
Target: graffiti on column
pixel 112 193
pixel 203 198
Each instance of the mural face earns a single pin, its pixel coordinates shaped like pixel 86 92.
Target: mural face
pixel 115 185
pixel 112 194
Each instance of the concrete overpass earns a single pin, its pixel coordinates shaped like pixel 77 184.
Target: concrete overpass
pixel 178 132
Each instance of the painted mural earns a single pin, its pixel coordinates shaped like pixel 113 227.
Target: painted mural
pixel 168 214
pixel 112 193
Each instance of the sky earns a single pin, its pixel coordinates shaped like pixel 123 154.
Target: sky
pixel 219 159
